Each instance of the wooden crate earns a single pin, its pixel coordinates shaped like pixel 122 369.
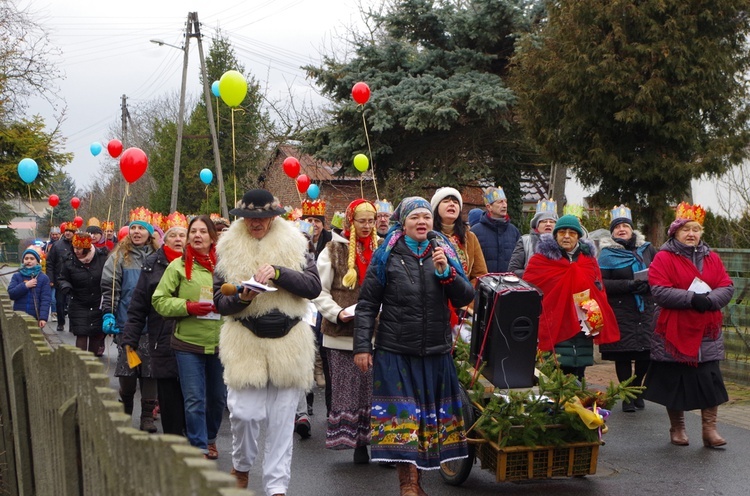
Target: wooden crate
pixel 516 463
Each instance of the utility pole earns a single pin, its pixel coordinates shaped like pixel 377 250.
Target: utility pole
pixel 181 114
pixel 212 126
pixel 124 119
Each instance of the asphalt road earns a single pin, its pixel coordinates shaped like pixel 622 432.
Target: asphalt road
pixel 637 459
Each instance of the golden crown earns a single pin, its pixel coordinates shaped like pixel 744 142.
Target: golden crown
pixel 690 212
pixel 71 226
pixel 81 239
pixel 313 208
pixel 93 221
pixel 157 220
pixel 140 213
pixel 175 219
pixel 108 225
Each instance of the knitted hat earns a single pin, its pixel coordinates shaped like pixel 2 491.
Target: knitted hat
pixel 545 209
pixel 493 194
pixel 568 222
pixel 148 227
pixel 94 230
pixel 620 215
pixel 33 252
pixel 158 229
pixel 409 205
pixel 686 213
pixel 258 204
pixel 443 193
pixel 474 215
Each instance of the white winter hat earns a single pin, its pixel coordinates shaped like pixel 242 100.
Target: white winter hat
pixel 443 193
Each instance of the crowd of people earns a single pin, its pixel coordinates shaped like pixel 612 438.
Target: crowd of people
pixel 249 315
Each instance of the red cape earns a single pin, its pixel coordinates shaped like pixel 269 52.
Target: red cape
pixel 559 280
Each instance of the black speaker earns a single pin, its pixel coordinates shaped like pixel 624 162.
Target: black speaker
pixel 505 329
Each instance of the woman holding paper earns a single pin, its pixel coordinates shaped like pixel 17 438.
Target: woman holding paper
pixel 624 260
pixel 185 292
pixel 575 309
pixel 690 287
pixel 342 266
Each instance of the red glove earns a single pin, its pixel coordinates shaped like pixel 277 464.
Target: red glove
pixel 199 307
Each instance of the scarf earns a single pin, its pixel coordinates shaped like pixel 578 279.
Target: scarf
pixel 88 258
pixel 30 271
pixel 170 253
pixel 615 258
pixel 208 261
pixel 683 329
pixel 559 279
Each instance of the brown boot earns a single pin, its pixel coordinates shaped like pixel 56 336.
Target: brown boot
pixel 242 478
pixel 711 438
pixel 408 480
pixel 677 434
pixel 147 416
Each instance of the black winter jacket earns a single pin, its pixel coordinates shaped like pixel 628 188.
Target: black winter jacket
pixel 635 327
pixel 142 318
pixel 415 319
pixel 83 282
pixel 61 251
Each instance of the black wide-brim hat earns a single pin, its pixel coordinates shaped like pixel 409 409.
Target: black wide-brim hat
pixel 258 204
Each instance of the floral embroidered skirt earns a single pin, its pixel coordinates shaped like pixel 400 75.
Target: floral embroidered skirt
pixel 416 410
pixel 351 399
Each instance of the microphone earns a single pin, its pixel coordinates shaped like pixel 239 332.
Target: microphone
pixel 432 237
pixel 229 289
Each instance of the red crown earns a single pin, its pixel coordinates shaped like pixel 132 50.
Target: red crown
pixel 175 219
pixel 82 239
pixel 140 213
pixel 690 212
pixel 313 208
pixel 108 225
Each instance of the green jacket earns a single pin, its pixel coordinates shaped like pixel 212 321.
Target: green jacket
pixel 170 297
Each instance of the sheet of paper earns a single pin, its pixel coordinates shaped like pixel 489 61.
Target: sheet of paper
pixel 256 286
pixel 698 286
pixel 350 310
pixel 641 275
pixel 207 295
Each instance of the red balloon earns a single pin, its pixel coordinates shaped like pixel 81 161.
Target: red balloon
pixel 303 182
pixel 291 167
pixel 78 221
pixel 62 227
pixel 123 233
pixel 361 93
pixel 133 164
pixel 75 202
pixel 53 200
pixel 114 147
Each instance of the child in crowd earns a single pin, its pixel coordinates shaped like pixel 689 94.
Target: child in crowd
pixel 30 289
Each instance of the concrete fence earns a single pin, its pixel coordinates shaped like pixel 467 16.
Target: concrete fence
pixel 64 432
pixel 736 367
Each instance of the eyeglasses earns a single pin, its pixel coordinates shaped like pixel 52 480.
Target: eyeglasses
pixel 365 222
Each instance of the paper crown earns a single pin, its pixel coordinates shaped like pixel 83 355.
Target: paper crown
pixel 304 227
pixel 291 214
pixel 218 219
pixel 313 208
pixel 690 212
pixel 157 220
pixel 621 212
pixel 71 226
pixel 175 219
pixel 492 194
pixel 108 225
pixel 546 206
pixel 141 214
pixel 384 206
pixel 93 221
pixel 82 239
pixel 573 209
pixel 338 220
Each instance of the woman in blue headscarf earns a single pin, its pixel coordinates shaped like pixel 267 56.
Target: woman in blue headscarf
pixel 622 257
pixel 416 408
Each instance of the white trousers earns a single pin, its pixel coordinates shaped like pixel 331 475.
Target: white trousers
pixel 272 408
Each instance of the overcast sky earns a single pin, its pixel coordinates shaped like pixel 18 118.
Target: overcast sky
pixel 107 54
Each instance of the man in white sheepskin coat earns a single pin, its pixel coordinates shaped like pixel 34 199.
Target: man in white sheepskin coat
pixel 267 349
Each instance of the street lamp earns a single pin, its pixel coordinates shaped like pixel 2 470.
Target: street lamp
pixel 161 43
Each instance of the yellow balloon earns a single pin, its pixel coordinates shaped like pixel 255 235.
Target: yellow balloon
pixel 361 163
pixel 232 88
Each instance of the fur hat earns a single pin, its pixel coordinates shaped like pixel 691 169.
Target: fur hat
pixel 568 222
pixel 443 193
pixel 258 204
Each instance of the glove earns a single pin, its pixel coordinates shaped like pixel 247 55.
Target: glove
pixel 639 287
pixel 700 302
pixel 199 308
pixel 109 324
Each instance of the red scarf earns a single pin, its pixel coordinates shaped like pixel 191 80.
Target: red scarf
pixel 683 329
pixel 363 257
pixel 170 253
pixel 559 280
pixel 208 262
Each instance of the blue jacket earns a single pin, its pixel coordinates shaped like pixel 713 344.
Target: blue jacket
pixel 498 238
pixel 35 303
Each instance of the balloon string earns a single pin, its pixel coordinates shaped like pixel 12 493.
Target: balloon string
pixel 217 115
pixel 52 216
pixel 122 206
pixel 208 208
pixel 234 161
pixel 31 206
pixel 109 211
pixel 372 162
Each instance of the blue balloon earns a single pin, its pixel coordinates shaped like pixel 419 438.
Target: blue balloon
pixel 207 176
pixel 215 89
pixel 96 148
pixel 28 170
pixel 313 191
